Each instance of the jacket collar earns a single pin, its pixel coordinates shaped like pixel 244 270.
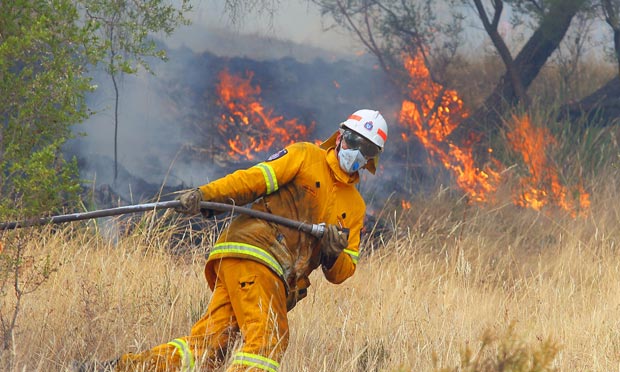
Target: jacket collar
pixel 339 174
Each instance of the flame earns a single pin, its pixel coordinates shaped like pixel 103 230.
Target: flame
pixel 249 127
pixel 542 186
pixel 431 114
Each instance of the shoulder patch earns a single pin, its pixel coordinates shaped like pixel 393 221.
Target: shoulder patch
pixel 277 155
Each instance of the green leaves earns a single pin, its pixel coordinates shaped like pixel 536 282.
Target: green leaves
pixel 46 51
pixel 43 81
pixel 44 181
pixel 124 29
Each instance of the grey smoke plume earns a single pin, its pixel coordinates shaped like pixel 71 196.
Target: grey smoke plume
pixel 324 88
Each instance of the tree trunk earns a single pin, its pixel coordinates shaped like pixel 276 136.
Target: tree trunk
pixel 487 119
pixel 113 74
pixel 601 108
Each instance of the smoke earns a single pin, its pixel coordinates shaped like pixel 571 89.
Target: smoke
pixel 148 138
pixel 306 79
pixel 298 23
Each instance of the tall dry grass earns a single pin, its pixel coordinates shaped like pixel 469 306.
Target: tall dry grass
pixel 535 287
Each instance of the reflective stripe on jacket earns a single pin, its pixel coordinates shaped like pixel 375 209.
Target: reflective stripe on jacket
pixel 303 182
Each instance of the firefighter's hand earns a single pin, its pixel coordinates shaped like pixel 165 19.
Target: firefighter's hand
pixel 190 202
pixel 333 242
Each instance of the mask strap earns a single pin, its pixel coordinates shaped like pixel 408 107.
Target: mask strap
pixel 339 140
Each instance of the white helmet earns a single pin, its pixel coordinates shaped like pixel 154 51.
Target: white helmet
pixel 370 124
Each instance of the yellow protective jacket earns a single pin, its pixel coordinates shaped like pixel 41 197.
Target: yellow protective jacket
pixel 303 182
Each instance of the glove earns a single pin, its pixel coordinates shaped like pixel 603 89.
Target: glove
pixel 190 202
pixel 333 242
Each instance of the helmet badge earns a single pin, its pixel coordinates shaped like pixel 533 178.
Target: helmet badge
pixel 368 125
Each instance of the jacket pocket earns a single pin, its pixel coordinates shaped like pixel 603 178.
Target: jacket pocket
pixel 246 282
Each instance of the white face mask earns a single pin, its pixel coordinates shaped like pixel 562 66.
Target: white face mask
pixel 351 160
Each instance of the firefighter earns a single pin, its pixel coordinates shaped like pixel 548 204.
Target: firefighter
pixel 258 270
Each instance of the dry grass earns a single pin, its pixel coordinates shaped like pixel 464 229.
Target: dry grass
pixel 452 278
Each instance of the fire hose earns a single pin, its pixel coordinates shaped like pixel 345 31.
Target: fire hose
pixel 316 230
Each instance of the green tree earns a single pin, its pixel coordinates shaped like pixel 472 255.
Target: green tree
pixel 46 51
pixel 44 54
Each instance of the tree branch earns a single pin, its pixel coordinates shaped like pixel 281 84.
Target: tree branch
pixel 501 47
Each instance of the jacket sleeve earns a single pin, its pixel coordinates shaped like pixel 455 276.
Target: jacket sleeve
pixel 345 264
pixel 244 186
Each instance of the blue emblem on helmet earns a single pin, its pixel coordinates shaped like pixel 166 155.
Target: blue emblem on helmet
pixel 368 125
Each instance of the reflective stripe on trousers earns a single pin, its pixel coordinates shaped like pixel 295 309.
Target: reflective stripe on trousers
pixel 187 358
pixel 250 250
pixel 256 361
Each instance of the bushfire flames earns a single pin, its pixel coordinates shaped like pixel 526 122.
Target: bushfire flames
pixel 432 112
pixel 250 127
pixel 542 186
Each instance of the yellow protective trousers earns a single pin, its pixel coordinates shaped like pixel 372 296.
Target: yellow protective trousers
pixel 249 297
